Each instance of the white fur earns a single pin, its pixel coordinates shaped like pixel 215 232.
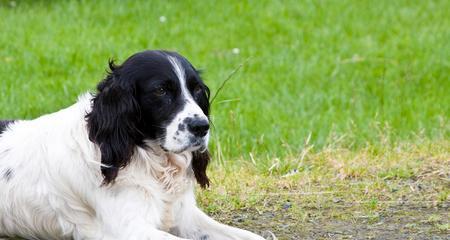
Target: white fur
pixel 55 189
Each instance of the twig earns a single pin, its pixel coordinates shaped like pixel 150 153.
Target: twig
pixel 228 79
pixel 300 193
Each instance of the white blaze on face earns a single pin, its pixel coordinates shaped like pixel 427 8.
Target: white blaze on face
pixel 178 138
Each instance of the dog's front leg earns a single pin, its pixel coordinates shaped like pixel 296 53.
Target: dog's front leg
pixel 209 229
pixel 193 223
pixel 130 216
pixel 119 226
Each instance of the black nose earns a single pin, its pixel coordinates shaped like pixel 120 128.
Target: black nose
pixel 198 127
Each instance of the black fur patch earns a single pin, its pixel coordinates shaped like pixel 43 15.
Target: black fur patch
pixel 4 124
pixel 204 237
pixel 174 231
pixel 200 161
pixel 8 174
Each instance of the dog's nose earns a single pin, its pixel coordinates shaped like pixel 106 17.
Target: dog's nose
pixel 198 127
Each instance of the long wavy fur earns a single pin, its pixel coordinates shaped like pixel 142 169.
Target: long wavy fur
pixel 113 123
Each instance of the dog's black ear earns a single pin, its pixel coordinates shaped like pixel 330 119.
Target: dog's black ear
pixel 113 121
pixel 200 161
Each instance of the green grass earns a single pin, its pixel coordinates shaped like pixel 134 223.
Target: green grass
pixel 352 73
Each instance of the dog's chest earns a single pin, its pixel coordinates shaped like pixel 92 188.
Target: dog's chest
pixel 176 181
pixel 164 181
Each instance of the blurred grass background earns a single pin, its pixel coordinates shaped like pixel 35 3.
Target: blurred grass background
pixel 347 73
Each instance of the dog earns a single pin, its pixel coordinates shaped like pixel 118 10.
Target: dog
pixel 121 163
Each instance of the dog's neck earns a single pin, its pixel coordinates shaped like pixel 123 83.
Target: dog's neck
pixel 151 165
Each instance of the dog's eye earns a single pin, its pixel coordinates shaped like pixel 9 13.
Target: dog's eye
pixel 198 89
pixel 160 91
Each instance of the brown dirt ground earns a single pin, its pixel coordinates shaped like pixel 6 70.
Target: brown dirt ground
pixel 401 222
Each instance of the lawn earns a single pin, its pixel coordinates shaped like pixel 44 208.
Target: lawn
pixel 340 108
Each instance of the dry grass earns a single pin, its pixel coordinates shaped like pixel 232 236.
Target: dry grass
pixel 336 185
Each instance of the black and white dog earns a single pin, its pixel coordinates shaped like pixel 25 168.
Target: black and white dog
pixel 120 164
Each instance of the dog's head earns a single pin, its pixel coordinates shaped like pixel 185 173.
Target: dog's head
pixel 157 97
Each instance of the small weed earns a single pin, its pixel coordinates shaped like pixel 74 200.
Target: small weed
pixel 397 173
pixel 445 228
